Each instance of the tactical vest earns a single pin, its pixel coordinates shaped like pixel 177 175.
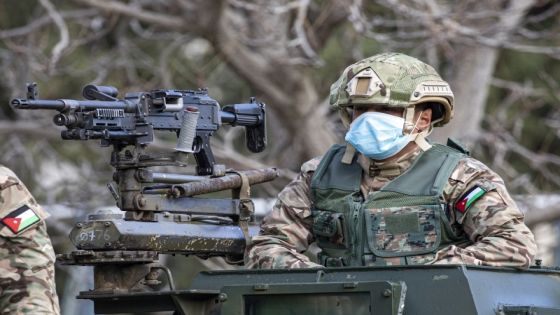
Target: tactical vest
pixel 404 223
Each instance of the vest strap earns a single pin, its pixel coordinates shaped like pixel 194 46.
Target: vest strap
pixel 246 206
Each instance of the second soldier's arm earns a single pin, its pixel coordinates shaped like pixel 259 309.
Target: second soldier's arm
pixel 26 254
pixel 492 222
pixel 286 231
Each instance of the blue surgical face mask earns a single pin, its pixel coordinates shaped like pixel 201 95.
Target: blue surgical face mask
pixel 377 135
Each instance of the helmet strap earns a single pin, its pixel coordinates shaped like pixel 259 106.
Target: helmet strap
pixel 409 123
pixel 420 140
pixel 350 150
pixel 348 154
pixel 345 117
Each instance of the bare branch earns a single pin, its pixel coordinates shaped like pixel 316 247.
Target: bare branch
pixel 524 90
pixel 37 24
pixel 539 208
pixel 301 38
pixel 62 28
pixel 159 19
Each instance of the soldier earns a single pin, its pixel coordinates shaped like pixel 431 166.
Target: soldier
pixel 27 284
pixel 390 197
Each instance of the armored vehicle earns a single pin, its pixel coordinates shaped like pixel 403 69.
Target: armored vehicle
pixel 161 215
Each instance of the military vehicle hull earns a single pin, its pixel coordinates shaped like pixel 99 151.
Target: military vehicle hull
pixel 422 290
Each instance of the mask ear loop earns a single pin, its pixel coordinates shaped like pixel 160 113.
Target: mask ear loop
pixel 420 137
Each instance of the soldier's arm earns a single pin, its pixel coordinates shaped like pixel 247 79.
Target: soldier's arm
pixel 491 220
pixel 286 231
pixel 26 254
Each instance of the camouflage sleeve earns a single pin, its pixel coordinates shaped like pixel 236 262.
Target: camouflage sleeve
pixel 27 257
pixel 479 202
pixel 286 231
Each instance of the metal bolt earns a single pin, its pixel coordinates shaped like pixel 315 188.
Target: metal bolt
pixel 387 293
pixel 79 225
pixel 108 244
pixel 107 224
pixel 260 287
pixel 222 297
pixel 416 94
pixel 141 175
pixel 350 285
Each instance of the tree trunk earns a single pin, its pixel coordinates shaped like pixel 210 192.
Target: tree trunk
pixel 472 71
pixel 473 67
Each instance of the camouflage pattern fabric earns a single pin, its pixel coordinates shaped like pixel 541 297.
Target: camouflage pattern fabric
pixel 493 222
pixel 27 284
pixel 391 234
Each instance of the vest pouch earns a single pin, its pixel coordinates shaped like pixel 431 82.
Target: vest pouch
pixel 329 229
pixel 403 231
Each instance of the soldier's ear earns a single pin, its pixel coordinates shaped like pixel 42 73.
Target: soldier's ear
pixel 424 119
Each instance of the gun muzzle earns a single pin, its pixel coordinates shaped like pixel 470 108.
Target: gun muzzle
pixel 35 104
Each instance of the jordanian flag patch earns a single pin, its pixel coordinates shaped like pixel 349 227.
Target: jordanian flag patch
pixel 20 219
pixel 469 198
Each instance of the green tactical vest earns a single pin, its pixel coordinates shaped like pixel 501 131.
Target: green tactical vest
pixel 404 223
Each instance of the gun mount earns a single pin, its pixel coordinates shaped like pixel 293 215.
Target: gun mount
pixel 161 213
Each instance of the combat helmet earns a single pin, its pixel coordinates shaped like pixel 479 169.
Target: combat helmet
pixel 394 80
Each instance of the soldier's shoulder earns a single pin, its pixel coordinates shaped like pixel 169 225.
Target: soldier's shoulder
pixel 4 171
pixel 469 168
pixel 311 165
pixel 15 198
pixel 7 175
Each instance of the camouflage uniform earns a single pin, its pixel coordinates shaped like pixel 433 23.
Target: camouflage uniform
pixel 493 223
pixel 27 257
pixel 477 221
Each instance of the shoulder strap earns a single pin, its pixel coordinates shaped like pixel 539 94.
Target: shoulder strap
pixel 333 174
pixel 428 174
pixel 455 144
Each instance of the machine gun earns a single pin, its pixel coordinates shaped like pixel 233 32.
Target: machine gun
pixel 131 121
pixel 160 213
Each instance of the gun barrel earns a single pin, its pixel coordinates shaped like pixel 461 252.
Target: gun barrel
pixel 231 181
pixel 247 114
pixel 240 119
pixel 64 104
